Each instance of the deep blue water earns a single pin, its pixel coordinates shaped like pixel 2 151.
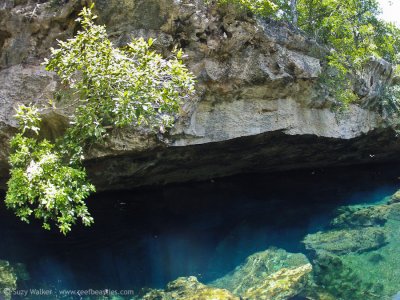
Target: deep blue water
pixel 148 237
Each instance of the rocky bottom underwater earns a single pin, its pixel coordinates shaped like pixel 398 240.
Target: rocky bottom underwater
pixel 353 255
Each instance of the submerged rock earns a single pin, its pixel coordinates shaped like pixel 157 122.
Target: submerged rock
pixel 395 197
pixel 281 285
pixel 362 217
pixel 376 215
pixel 343 241
pixel 394 213
pixel 334 279
pixel 8 279
pixel 358 258
pixel 189 288
pixel 10 274
pixel 271 274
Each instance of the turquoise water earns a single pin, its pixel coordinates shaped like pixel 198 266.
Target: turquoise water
pixel 149 237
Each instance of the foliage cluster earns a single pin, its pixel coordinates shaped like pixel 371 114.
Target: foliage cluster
pixel 41 182
pixel 355 34
pixel 112 87
pixel 258 7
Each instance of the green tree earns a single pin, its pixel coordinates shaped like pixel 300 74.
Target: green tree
pixel 110 87
pixel 354 34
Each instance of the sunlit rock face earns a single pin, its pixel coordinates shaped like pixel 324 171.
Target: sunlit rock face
pixel 258 104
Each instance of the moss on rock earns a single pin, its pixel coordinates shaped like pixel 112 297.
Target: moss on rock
pixel 189 288
pixel 362 217
pixel 8 279
pixel 281 285
pixel 343 241
pixel 270 274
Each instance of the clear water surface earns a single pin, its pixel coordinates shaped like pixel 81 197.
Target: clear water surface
pixel 150 236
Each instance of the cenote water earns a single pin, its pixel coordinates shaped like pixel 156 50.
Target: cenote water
pixel 150 236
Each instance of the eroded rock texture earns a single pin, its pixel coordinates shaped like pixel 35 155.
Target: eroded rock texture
pixel 270 274
pixel 188 288
pixel 258 104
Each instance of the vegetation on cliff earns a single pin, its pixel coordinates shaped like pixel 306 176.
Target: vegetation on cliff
pixel 351 30
pixel 110 88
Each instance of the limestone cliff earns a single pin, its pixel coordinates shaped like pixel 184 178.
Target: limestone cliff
pixel 259 105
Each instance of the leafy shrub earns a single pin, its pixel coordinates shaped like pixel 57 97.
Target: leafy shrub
pixel 111 87
pixel 262 8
